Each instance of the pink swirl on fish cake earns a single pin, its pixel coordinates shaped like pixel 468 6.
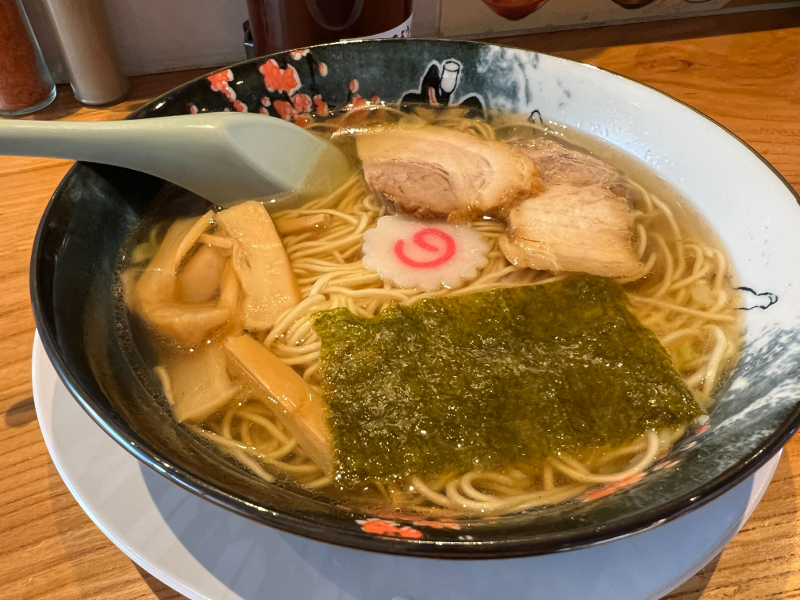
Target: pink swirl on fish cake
pixel 423 255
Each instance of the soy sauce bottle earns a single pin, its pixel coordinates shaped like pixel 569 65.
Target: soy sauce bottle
pixel 278 25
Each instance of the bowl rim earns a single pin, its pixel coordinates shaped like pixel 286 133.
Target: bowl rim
pixel 443 549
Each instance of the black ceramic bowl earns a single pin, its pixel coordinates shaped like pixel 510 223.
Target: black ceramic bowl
pixel 88 335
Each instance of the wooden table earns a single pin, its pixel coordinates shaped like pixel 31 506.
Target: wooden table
pixel 742 70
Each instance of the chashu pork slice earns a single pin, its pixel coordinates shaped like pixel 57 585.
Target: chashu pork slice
pixel 559 164
pixel 584 229
pixel 439 172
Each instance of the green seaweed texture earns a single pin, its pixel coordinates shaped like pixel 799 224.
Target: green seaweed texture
pixel 484 380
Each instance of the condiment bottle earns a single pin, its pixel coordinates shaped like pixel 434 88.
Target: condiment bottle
pixel 25 82
pixel 87 45
pixel 279 25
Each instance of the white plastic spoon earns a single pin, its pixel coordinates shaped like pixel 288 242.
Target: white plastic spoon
pixel 224 157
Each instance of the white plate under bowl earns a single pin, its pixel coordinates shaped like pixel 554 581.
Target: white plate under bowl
pixel 206 552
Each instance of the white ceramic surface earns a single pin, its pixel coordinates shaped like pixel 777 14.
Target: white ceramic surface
pixel 206 552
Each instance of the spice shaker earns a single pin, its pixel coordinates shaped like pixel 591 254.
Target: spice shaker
pixel 87 45
pixel 25 82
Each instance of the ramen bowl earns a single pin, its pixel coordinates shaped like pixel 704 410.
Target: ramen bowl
pixel 89 334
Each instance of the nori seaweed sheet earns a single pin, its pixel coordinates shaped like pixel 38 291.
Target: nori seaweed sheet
pixel 488 379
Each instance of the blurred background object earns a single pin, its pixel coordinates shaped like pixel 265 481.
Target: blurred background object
pixel 514 10
pixel 637 3
pixel 154 36
pixel 474 19
pixel 87 46
pixel 278 25
pixel 25 82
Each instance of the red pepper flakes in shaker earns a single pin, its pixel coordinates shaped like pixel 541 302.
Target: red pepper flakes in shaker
pixel 25 83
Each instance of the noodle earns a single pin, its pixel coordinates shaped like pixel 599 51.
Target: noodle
pixel 683 294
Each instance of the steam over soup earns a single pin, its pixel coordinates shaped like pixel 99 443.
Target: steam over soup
pixel 485 317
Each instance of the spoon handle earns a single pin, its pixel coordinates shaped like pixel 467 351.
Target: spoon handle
pixel 193 151
pixel 224 157
pixel 113 142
